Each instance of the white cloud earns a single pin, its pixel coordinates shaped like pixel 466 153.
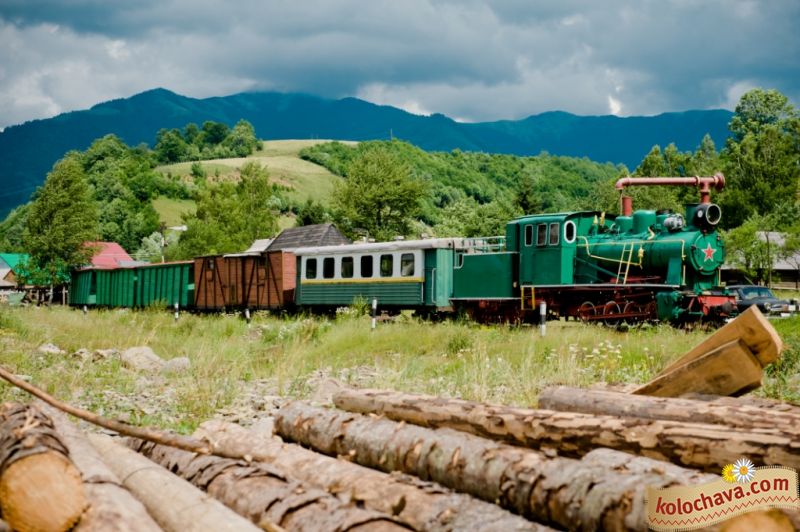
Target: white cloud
pixel 117 49
pixel 614 105
pixel 476 60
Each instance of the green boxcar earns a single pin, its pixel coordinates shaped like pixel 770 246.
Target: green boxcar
pixel 140 286
pixel 82 288
pixel 115 288
pixel 165 284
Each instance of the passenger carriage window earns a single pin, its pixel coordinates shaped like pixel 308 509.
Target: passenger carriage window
pixel 328 264
pixel 387 265
pixel 553 234
pixel 407 264
pixel 541 235
pixel 528 235
pixel 347 267
pixel 311 268
pixel 366 266
pixel 569 232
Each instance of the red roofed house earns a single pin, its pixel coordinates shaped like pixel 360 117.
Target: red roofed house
pixel 108 255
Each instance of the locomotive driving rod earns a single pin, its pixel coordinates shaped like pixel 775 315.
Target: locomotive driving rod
pixel 704 184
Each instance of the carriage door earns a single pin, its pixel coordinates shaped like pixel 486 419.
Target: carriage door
pixel 527 255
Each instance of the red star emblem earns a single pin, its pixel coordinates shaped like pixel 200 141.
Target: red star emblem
pixel 709 253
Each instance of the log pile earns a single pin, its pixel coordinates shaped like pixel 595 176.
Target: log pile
pixel 391 461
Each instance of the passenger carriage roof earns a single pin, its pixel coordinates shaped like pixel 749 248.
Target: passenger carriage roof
pixel 373 247
pixel 560 216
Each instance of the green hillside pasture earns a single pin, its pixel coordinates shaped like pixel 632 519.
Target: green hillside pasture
pixel 170 210
pixel 217 166
pixel 305 179
pixel 272 148
pixel 298 356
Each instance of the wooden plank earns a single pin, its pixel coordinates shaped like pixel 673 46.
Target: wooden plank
pixel 730 369
pixel 752 327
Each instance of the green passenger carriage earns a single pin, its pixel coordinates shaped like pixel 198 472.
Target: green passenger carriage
pixel 415 274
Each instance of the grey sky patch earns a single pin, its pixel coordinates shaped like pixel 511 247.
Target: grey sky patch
pixel 470 59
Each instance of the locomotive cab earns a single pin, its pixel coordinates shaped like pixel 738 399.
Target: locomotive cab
pixel 547 246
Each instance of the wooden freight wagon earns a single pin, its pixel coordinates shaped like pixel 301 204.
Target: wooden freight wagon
pixel 245 280
pixel 210 283
pixel 264 276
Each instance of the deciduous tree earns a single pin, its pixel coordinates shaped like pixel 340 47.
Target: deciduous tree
pixel 230 216
pixel 379 195
pixel 61 218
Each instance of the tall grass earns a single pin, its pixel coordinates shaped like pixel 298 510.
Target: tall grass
pixel 290 355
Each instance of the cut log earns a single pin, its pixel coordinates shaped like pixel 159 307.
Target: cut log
pixel 762 403
pixel 40 488
pixel 111 506
pixel 751 327
pixel 265 495
pixel 730 369
pixel 603 402
pixel 696 445
pixel 174 503
pixel 598 492
pixel 421 505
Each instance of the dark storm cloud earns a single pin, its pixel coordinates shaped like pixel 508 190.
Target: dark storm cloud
pixel 474 60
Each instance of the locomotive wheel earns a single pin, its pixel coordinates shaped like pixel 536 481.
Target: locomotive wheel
pixel 586 311
pixel 610 310
pixel 630 306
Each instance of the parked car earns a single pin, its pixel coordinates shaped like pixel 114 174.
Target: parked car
pixel 761 296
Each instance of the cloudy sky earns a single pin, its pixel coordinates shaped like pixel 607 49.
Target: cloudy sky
pixel 472 60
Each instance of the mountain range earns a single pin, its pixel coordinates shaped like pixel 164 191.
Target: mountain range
pixel 28 151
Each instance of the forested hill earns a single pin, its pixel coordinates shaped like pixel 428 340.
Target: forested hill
pixel 28 151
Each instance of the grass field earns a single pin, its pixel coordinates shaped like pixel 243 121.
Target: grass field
pixel 296 356
pixel 170 210
pixel 305 179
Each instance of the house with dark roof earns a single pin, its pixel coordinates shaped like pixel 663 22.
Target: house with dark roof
pixel 308 235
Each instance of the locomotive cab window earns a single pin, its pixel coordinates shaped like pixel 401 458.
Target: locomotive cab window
pixel 347 267
pixel 554 234
pixel 541 235
pixel 387 265
pixel 366 266
pixel 328 264
pixel 569 232
pixel 528 235
pixel 311 268
pixel 407 264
